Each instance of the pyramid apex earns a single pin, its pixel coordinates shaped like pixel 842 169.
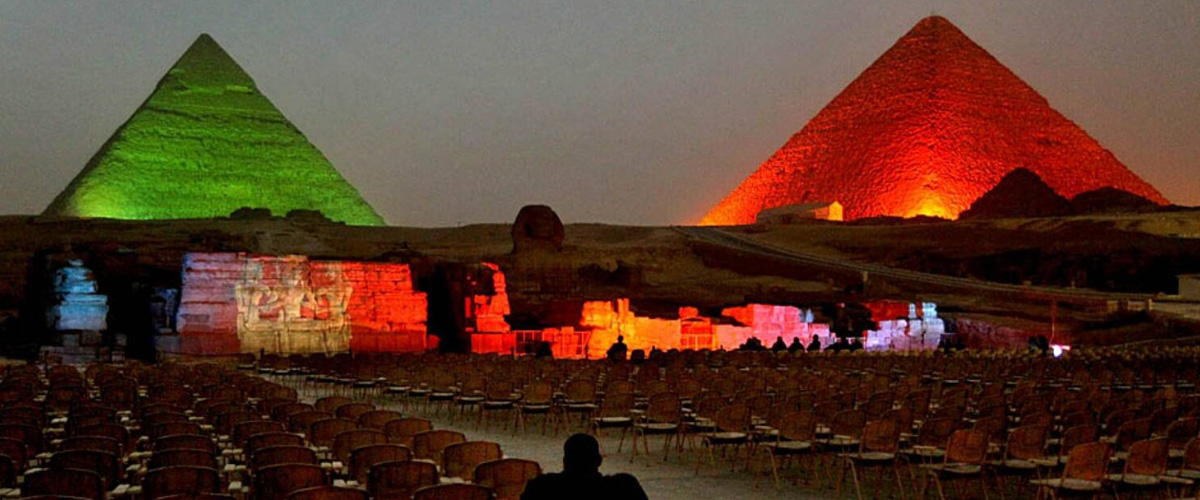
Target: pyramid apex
pixel 932 26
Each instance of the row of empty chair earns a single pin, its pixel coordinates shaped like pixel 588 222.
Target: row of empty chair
pixel 153 432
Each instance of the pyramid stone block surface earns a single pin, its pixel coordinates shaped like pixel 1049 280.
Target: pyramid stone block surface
pixel 204 144
pixel 928 128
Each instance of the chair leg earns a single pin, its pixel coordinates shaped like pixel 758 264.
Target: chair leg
pixel 854 476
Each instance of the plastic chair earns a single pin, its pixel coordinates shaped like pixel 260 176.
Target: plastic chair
pixel 402 431
pixel 1085 470
pixel 328 493
pixel 365 457
pixel 506 477
pixel 276 482
pixel 429 445
pixel 399 480
pixel 65 482
pixel 179 480
pixel 453 492
pixel 459 459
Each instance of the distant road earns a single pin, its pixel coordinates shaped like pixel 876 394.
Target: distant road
pixel 951 284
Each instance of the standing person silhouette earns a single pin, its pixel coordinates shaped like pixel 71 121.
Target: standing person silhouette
pixel 581 478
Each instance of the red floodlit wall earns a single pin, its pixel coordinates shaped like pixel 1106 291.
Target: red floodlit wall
pixel 491 332
pixel 236 302
pixel 766 323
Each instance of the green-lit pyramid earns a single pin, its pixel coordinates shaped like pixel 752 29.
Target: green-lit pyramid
pixel 204 144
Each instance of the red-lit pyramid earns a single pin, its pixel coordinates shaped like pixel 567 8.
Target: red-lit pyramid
pixel 929 127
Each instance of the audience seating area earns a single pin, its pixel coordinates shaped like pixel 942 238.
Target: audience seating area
pixel 175 431
pixel 1101 421
pixel 1107 422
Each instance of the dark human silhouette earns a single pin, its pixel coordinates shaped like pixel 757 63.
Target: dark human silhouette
pixel 655 352
pixel 796 346
pixel 779 346
pixel 618 350
pixel 544 351
pixel 838 346
pixel 581 478
pixel 814 345
pixel 752 344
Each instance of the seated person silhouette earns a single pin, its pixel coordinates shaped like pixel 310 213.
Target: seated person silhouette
pixel 581 478
pixel 618 350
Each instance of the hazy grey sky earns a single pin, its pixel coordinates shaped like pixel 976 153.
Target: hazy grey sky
pixel 638 112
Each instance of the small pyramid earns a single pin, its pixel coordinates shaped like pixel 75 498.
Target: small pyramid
pixel 205 144
pixel 928 128
pixel 1020 194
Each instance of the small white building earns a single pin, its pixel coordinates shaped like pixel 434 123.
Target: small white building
pixel 790 214
pixel 1189 286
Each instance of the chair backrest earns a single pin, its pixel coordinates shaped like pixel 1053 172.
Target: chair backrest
pixel 345 442
pixel 1148 457
pixel 507 477
pixel 8 472
pixel 967 447
pixel 881 436
pixel 243 430
pixel 1077 435
pixel 664 407
pixel 98 443
pixel 185 442
pixel 1181 431
pixel 276 482
pixel 400 479
pixel 179 456
pixel 1088 461
pixel 353 410
pixel 848 423
pixel 68 482
pixel 1027 442
pixel 378 419
pixel 330 403
pixel 29 435
pixel 580 391
pixel 459 459
pixel 454 492
pixel 796 426
pixel 733 418
pixel 179 480
pixel 1191 455
pixel 15 450
pixel 301 421
pixel 260 441
pixel 935 432
pixel 328 493
pixel 115 431
pixel 364 457
pixel 276 455
pixel 537 392
pixel 282 412
pixel 429 445
pixel 169 428
pixel 322 432
pixel 402 431
pixel 103 463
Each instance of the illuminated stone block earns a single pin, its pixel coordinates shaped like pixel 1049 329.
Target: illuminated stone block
pixel 291 304
pixel 77 306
